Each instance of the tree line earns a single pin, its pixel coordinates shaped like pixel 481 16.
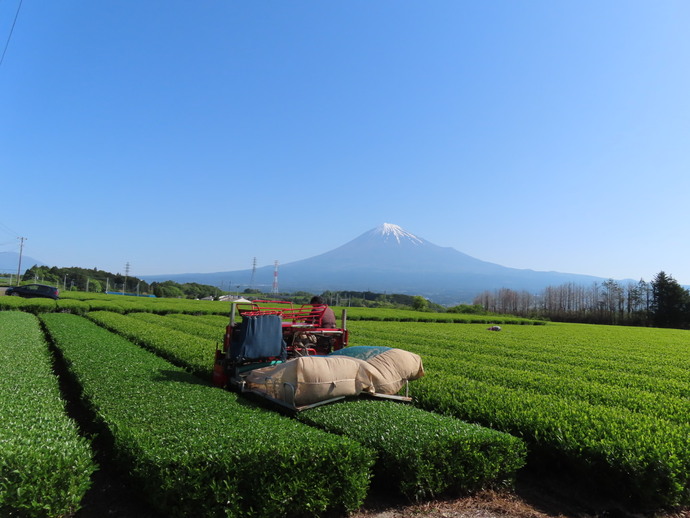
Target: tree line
pixel 663 302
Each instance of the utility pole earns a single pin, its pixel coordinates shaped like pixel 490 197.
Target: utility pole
pixel 251 281
pixel 19 267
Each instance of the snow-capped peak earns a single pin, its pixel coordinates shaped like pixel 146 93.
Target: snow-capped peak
pixel 390 230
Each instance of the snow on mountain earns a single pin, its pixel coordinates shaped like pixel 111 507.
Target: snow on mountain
pixel 389 230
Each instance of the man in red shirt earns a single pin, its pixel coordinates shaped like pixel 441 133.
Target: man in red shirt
pixel 328 318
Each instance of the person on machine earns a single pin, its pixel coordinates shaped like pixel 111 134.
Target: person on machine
pixel 328 318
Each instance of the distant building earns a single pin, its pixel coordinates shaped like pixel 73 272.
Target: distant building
pixel 232 298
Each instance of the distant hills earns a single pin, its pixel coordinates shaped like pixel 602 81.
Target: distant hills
pixel 9 262
pixel 388 259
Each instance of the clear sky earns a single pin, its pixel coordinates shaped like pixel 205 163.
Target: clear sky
pixel 182 136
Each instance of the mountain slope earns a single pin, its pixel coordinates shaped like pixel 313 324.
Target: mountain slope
pixel 391 259
pixel 9 262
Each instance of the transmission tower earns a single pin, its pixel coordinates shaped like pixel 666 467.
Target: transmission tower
pixel 251 281
pixel 275 277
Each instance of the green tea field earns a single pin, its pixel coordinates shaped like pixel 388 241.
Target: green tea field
pixel 603 405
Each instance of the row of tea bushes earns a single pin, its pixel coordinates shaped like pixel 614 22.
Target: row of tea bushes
pixel 194 450
pixel 192 352
pixel 11 303
pixel 130 303
pixel 79 303
pixel 191 326
pixel 423 454
pixel 575 393
pixel 34 305
pixel 77 307
pixel 409 315
pixel 664 406
pixel 645 458
pixel 216 321
pixel 45 466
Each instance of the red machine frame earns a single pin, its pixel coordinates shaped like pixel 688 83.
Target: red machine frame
pixel 301 328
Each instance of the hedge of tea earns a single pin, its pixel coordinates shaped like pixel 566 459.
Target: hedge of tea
pixel 215 321
pixel 409 315
pixel 576 393
pixel 131 303
pixel 423 454
pixel 45 466
pixel 194 450
pixel 192 326
pixel 11 303
pixel 33 305
pixel 182 349
pixel 78 307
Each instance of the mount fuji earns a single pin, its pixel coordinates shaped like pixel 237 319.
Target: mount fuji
pixel 392 260
pixel 10 262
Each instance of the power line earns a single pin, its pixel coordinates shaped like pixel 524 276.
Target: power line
pixel 9 36
pixel 8 230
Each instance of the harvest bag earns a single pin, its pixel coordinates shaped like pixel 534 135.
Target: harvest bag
pixel 310 379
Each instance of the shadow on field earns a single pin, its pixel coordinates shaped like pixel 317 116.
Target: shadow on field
pixel 560 489
pixel 178 377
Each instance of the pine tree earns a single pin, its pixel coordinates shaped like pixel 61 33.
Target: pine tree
pixel 670 302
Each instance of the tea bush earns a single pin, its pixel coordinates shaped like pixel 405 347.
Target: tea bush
pixel 78 307
pixel 608 403
pixel 39 305
pixel 423 454
pixel 11 303
pixel 194 450
pixel 45 466
pixel 180 348
pixel 191 327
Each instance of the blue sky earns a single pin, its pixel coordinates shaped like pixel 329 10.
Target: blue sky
pixel 194 136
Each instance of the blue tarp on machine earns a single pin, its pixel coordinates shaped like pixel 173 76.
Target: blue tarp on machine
pixel 260 337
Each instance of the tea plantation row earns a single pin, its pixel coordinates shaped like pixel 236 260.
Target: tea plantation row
pixel 609 403
pixel 45 466
pixel 81 303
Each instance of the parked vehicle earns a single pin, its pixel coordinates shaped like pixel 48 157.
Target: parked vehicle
pixel 34 290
